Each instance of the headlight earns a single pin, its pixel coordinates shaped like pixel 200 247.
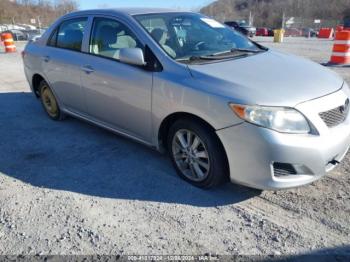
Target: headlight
pixel 285 120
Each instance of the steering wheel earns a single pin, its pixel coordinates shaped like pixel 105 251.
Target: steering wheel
pixel 197 45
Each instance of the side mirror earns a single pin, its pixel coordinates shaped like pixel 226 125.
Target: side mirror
pixel 132 56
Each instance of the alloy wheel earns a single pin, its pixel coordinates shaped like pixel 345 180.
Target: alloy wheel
pixel 191 155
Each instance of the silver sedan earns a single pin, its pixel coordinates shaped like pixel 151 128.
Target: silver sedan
pixel 222 106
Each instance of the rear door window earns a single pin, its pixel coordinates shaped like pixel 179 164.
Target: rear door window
pixel 70 34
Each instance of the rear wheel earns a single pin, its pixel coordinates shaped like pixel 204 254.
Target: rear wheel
pixel 49 102
pixel 197 154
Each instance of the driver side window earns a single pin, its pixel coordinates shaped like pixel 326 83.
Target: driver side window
pixel 109 36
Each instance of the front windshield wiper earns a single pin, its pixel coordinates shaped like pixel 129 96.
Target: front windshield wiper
pixel 222 55
pixel 245 50
pixel 211 57
pixel 196 58
pixel 234 50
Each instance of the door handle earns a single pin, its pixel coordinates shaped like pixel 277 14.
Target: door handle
pixel 46 58
pixel 88 69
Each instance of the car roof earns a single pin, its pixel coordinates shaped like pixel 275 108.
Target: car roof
pixel 127 11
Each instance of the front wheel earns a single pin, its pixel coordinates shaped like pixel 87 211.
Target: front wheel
pixel 197 154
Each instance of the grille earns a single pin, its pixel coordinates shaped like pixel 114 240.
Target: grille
pixel 335 116
pixel 281 169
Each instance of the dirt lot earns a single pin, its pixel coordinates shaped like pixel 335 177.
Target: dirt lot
pixel 72 188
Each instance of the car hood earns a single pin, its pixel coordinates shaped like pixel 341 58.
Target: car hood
pixel 271 78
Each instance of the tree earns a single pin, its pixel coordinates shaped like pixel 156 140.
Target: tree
pixel 22 11
pixel 65 6
pixel 269 13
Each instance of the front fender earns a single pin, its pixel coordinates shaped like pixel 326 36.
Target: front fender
pixel 176 93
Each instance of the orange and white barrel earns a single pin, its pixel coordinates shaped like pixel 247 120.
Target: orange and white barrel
pixel 339 28
pixel 8 42
pixel 341 49
pixel 326 33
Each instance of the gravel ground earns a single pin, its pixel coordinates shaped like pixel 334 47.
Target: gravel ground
pixel 72 188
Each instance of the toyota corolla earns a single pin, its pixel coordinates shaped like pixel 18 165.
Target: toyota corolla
pixel 222 106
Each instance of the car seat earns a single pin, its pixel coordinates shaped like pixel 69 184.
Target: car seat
pixel 160 36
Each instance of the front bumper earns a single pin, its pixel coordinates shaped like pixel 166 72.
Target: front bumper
pixel 252 150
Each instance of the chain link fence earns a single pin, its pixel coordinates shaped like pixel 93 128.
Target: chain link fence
pixel 316 24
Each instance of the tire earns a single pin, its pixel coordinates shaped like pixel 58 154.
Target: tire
pixel 49 102
pixel 209 155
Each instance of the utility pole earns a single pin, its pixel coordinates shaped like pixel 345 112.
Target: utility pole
pixel 251 18
pixel 39 23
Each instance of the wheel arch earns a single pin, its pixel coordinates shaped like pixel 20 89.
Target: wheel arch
pixel 165 125
pixel 172 118
pixel 36 80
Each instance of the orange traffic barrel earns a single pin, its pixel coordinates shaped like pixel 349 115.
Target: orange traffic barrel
pixel 339 28
pixel 341 49
pixel 9 43
pixel 326 33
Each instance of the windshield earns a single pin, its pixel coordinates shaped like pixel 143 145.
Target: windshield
pixel 243 24
pixel 184 36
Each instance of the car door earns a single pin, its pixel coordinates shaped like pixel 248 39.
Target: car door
pixel 117 94
pixel 61 61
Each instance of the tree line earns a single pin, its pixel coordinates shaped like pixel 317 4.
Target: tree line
pixel 269 13
pixel 43 11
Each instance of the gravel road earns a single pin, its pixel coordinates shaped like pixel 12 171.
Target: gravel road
pixel 72 188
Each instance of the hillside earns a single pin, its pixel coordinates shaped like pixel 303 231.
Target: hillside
pixel 270 12
pixel 45 11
